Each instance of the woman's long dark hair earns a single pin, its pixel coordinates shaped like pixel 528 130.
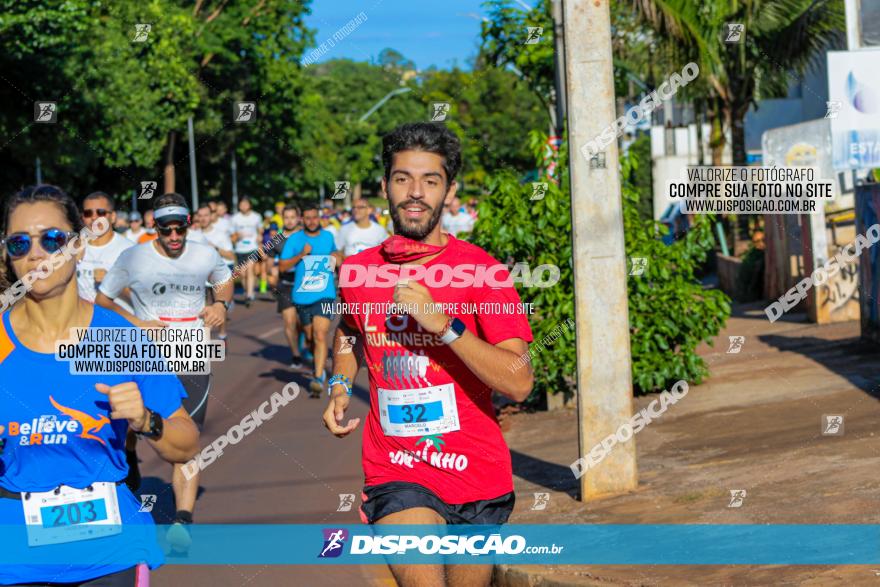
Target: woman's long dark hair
pixel 30 195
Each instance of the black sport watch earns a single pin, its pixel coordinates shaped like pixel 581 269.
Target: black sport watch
pixel 226 305
pixel 157 426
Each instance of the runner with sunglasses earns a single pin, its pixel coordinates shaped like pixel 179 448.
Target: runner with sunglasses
pixel 74 457
pixel 167 279
pixel 102 251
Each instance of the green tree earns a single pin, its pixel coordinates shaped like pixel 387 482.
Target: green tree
pixel 518 230
pixel 490 110
pixel 340 93
pixel 504 37
pixel 781 38
pixel 123 105
pixel 670 313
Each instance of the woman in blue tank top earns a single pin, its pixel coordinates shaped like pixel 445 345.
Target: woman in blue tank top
pixel 65 514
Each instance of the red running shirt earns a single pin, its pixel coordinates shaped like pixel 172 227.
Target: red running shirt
pixel 464 465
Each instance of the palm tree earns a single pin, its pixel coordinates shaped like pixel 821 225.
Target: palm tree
pixel 782 39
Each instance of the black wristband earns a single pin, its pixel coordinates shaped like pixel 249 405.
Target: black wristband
pixel 156 426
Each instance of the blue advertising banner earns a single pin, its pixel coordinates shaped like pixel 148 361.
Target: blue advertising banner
pixel 601 544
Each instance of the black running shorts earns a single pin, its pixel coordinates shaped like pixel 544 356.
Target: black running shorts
pixel 196 403
pixel 390 498
pixel 284 293
pixel 133 577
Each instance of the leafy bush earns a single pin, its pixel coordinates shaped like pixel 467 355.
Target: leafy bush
pixel 515 229
pixel 669 311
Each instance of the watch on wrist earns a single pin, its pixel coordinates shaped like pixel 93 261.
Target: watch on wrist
pixel 453 331
pixel 226 305
pixel 155 428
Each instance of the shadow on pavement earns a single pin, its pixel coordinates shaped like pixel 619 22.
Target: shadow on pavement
pixel 851 358
pixel 272 352
pixel 549 475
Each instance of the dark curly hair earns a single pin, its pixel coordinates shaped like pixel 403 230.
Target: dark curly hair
pixel 31 195
pixel 432 137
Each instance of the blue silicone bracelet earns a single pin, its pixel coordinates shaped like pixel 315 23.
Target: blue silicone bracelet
pixel 340 380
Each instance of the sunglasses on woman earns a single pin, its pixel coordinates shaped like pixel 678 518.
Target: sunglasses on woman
pixel 99 212
pixel 167 230
pixel 51 240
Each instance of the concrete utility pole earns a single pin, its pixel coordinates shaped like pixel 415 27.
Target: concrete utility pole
pixel 853 24
pixel 193 184
pixel 603 356
pixel 234 167
pixel 559 60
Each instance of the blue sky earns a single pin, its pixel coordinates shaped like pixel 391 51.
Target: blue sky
pixel 425 31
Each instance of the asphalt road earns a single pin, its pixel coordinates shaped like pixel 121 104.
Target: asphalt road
pixel 290 470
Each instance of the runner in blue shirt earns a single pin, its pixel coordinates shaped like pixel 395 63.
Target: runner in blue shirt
pixel 311 252
pixel 63 462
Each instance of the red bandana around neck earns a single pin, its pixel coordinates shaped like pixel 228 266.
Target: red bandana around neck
pixel 399 249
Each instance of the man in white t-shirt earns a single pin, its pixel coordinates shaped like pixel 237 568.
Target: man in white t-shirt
pixel 217 237
pixel 167 278
pixel 101 252
pixel 196 233
pixel 246 234
pixel 362 233
pixel 135 227
pixel 223 219
pixel 205 221
pixel 455 221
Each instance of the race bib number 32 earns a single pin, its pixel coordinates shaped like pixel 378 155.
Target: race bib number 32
pixel 417 412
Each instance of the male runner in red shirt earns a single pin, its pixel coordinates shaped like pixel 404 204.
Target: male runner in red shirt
pixel 433 452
